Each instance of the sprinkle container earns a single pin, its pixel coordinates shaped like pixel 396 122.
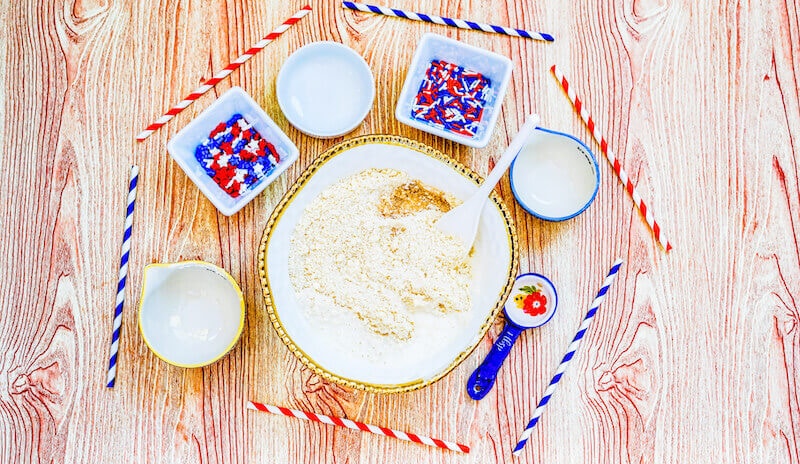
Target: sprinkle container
pixel 232 151
pixel 454 90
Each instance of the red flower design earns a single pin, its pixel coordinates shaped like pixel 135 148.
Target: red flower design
pixel 535 304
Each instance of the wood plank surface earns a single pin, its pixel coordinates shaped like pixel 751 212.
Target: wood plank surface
pixel 694 357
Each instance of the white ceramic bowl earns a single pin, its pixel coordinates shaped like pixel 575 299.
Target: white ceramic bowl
pixel 191 313
pixel 325 89
pixel 336 355
pixel 555 177
pixel 496 68
pixel 183 145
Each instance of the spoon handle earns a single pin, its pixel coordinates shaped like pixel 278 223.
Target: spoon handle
pixel 482 380
pixel 508 156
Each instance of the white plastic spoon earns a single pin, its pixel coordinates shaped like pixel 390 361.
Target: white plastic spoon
pixel 462 221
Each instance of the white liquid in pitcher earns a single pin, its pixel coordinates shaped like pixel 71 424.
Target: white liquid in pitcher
pixel 553 182
pixel 194 315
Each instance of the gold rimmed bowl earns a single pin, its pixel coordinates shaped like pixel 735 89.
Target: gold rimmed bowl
pixel 337 356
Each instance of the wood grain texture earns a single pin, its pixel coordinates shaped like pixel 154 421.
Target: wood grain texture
pixel 694 357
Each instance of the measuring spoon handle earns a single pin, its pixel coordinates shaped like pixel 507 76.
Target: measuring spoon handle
pixel 482 380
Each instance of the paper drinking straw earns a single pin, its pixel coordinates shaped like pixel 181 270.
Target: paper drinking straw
pixel 209 84
pixel 123 275
pixel 601 295
pixel 330 420
pixel 460 23
pixel 623 176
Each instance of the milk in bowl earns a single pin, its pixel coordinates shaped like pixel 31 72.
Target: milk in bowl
pixel 555 177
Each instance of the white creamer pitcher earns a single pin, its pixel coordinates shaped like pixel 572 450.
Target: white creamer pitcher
pixel 191 313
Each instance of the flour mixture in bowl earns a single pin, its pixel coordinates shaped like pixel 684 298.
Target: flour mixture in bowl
pixel 366 260
pixel 360 284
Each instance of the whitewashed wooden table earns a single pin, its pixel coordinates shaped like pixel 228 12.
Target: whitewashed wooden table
pixel 694 357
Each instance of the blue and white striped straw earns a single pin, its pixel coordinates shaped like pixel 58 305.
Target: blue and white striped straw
pixel 460 23
pixel 601 295
pixel 123 275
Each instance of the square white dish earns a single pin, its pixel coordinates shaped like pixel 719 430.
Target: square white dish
pixel 496 68
pixel 182 147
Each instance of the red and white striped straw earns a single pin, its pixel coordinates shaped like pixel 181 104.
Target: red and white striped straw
pixel 623 176
pixel 209 84
pixel 310 416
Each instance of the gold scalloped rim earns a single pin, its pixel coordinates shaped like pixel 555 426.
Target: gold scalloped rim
pixel 289 196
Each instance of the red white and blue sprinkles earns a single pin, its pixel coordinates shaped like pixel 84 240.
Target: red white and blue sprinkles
pixel 452 98
pixel 236 156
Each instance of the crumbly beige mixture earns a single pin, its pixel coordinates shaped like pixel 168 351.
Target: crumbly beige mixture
pixel 369 245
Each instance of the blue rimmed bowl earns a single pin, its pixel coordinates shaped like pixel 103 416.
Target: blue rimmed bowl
pixel 555 177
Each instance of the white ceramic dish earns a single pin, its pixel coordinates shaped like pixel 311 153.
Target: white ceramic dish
pixel 494 262
pixel 555 177
pixel 325 89
pixel 183 145
pixel 191 313
pixel 496 68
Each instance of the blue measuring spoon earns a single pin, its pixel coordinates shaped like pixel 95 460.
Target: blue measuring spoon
pixel 532 303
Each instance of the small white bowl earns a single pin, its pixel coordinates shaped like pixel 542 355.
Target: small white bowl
pixel 325 89
pixel 183 145
pixel 555 177
pixel 496 68
pixel 191 313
